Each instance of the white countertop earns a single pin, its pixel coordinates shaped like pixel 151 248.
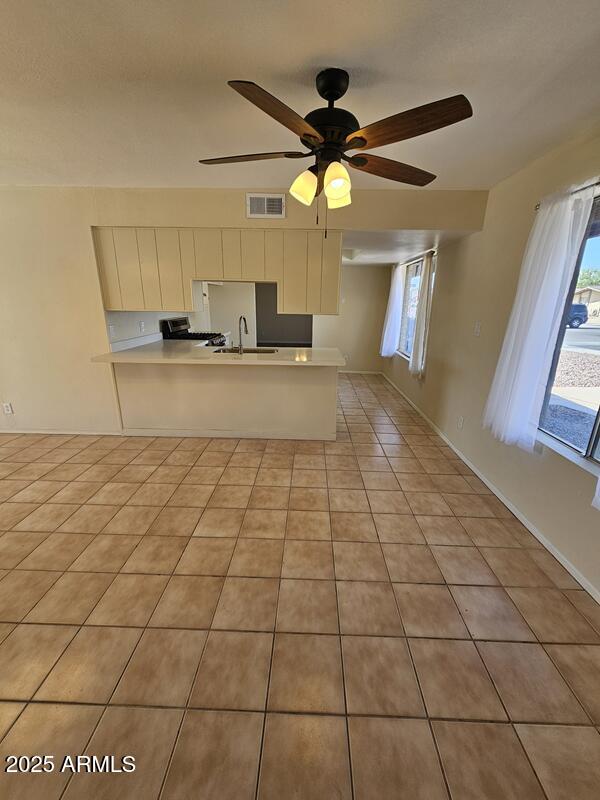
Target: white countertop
pixel 193 352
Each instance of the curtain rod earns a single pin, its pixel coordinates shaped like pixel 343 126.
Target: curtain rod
pixel 583 188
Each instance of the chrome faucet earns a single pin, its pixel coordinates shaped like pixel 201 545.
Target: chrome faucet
pixel 242 319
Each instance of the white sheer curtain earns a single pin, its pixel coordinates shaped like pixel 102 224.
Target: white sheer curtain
pixel 517 394
pixel 416 365
pixel 393 315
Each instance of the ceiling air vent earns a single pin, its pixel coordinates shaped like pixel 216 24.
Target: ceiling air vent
pixel 259 206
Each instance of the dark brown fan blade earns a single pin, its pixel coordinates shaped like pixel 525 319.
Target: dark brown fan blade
pixel 414 122
pixel 276 109
pixel 394 170
pixel 253 157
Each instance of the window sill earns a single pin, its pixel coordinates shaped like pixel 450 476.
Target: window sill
pixel 402 355
pixel 545 440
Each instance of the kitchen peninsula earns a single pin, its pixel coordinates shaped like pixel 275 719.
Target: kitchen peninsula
pixel 183 388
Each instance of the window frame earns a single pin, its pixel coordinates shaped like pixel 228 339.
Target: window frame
pixel 591 455
pixel 405 266
pixel 418 264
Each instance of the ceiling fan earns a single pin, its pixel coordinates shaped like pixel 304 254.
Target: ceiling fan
pixel 329 133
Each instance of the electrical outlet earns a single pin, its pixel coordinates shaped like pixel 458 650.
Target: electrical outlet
pixel 7 408
pixel 142 326
pixel 460 421
pixel 477 328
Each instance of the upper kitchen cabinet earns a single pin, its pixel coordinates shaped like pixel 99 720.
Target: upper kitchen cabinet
pixel 311 272
pixel 331 273
pixel 104 245
pixel 169 268
pixel 232 255
pixel 208 246
pixel 253 255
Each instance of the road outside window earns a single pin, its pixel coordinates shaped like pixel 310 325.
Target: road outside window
pixel 571 409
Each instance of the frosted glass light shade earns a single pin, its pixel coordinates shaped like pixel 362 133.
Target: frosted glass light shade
pixel 304 187
pixel 337 181
pixel 339 202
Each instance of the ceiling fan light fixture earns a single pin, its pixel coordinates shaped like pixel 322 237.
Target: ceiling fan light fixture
pixel 337 181
pixel 304 188
pixel 339 202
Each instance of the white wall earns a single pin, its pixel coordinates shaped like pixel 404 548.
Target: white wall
pixel 227 303
pixel 356 331
pixel 125 325
pixel 476 279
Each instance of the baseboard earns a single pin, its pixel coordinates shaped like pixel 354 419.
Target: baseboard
pixel 571 569
pixel 360 372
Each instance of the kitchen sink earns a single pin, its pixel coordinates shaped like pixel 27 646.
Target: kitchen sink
pixel 246 350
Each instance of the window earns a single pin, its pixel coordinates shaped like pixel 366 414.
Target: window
pixel 571 411
pixel 410 298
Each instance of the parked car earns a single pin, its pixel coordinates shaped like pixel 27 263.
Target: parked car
pixel 578 315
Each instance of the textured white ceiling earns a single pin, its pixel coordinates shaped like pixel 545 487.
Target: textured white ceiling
pixel 117 93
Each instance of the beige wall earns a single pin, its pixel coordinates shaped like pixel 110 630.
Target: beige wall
pixel 227 303
pixel 476 280
pixel 357 329
pixel 51 316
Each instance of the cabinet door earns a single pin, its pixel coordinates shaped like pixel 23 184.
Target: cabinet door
pixel 188 266
pixel 209 254
pixel 146 241
pixel 253 255
pixel 128 266
pixel 295 252
pixel 313 272
pixel 232 256
pixel 274 256
pixel 169 268
pixel 331 273
pixel 107 268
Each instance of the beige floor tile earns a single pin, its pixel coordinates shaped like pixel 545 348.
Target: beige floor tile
pixel 57 551
pixel 552 617
pixel 411 563
pixel 373 464
pixel 16 545
pixel 239 476
pixel 269 497
pixel 530 686
pixel 305 756
pixel 5 629
pixel 306 674
pixel 261 523
pixel 382 502
pixel 148 734
pixel 379 677
pixel 307 560
pixel 368 608
pixel 216 755
pixel 234 671
pixel 105 472
pixel 243 459
pixel 225 522
pixel 398 529
pixel 205 557
pixel 309 478
pixel 208 475
pixel 429 611
pixel 313 525
pixel 586 605
pixel 416 483
pixel 173 521
pixel 191 496
pixel 270 476
pixel 161 669
pixel 341 462
pixel 21 590
pixel 359 561
pixel 454 680
pixel 132 520
pixel 8 714
pixel 309 461
pixel 463 565
pixel 515 567
pixel 155 555
pixel 394 758
pixel 475 756
pixel 487 532
pixel 307 606
pixel 189 601
pixel 71 599
pixel 10 488
pixel 380 481
pixel 12 513
pixel 309 499
pixel 52 730
pixel 105 554
pixel 428 504
pixel 356 527
pixel 114 493
pixel 277 461
pixel 555 571
pixel 469 505
pixel 443 531
pixel 247 604
pixel 580 667
pixel 152 494
pixel 129 600
pixel 490 613
pixel 48 517
pixel 230 497
pixel 27 655
pixel 566 759
pixel 38 491
pixel 89 668
pixel 348 500
pixel 76 492
pixel 258 558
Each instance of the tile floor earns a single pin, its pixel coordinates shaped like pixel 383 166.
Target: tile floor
pixel 280 619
